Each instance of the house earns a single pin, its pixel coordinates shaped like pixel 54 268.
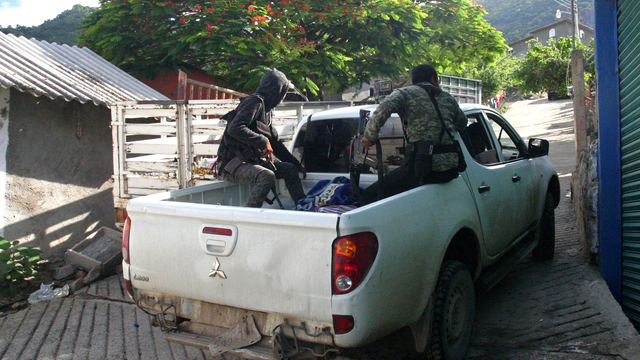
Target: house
pixel 559 29
pixel 55 141
pixel 618 74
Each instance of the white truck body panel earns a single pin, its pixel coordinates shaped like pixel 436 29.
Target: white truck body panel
pixel 274 267
pixel 409 256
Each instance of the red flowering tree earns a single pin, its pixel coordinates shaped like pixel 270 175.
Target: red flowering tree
pixel 318 44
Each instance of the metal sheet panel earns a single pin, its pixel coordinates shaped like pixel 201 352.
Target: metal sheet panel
pixel 629 70
pixel 69 72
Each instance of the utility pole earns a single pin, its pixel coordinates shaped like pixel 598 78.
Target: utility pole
pixel 574 17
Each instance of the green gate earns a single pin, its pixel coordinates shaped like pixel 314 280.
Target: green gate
pixel 629 67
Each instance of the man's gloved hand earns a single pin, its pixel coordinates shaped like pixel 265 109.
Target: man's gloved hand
pixel 268 153
pixel 303 170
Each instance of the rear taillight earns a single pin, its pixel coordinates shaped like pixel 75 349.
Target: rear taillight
pixel 353 256
pixel 342 324
pixel 125 239
pixel 126 229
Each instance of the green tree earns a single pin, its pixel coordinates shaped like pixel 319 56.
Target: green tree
pixel 495 76
pixel 319 44
pixel 546 67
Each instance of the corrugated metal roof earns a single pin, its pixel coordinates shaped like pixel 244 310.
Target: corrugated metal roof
pixel 69 72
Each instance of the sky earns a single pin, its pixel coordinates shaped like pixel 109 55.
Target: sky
pixel 35 12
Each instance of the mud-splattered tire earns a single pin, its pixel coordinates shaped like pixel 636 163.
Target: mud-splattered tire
pixel 453 312
pixel 546 232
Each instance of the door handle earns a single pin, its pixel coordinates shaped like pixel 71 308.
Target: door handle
pixel 515 178
pixel 484 189
pixel 218 239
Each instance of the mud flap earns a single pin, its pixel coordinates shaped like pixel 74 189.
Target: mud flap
pixel 243 334
pixel 421 329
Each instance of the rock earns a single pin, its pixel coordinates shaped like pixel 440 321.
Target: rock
pixel 19 305
pixel 64 271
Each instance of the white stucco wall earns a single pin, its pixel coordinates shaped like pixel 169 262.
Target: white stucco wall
pixel 4 141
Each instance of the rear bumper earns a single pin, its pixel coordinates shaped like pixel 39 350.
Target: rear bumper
pixel 200 318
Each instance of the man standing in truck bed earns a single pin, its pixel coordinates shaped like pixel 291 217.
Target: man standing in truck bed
pixel 250 141
pixel 428 141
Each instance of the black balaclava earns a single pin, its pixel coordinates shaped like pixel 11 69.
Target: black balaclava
pixel 273 88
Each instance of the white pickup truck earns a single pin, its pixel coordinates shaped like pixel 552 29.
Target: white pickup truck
pixel 269 283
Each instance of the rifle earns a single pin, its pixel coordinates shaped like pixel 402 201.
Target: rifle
pixel 358 154
pixel 271 166
pixel 358 157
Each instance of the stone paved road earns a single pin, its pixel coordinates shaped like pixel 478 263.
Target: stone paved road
pixel 97 322
pixel 558 309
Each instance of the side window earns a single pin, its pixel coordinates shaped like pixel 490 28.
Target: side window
pixel 478 141
pixel 509 143
pixel 552 33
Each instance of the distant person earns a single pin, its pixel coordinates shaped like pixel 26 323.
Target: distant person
pixel 250 141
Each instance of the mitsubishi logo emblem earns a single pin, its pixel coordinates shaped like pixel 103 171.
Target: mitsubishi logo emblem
pixel 216 270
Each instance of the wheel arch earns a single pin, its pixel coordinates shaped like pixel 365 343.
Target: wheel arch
pixel 554 189
pixel 465 248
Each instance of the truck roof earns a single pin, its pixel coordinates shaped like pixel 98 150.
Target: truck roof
pixel 354 111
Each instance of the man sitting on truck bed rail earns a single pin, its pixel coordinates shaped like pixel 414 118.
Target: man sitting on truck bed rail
pixel 423 130
pixel 250 141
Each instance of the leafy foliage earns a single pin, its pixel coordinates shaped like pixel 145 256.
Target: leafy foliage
pixel 590 67
pixel 516 18
pixel 61 30
pixel 546 67
pixel 495 76
pixel 17 264
pixel 319 44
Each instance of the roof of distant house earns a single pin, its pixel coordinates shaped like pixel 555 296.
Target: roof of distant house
pixel 558 22
pixel 529 36
pixel 69 72
pixel 521 40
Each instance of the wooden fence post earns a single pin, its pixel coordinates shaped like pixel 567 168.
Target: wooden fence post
pixel 182 85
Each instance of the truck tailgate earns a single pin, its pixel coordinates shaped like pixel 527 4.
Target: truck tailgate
pixel 280 261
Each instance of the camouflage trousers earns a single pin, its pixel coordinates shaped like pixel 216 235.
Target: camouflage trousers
pixel 262 179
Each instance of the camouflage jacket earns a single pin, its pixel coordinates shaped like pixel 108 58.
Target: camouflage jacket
pixel 420 119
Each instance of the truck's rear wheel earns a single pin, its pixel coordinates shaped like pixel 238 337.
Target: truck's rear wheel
pixel 546 232
pixel 453 311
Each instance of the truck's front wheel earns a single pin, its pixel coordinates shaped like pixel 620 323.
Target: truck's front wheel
pixel 546 232
pixel 454 308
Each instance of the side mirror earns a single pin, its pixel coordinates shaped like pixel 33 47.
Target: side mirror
pixel 538 147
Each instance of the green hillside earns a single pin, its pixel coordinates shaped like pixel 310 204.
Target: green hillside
pixel 61 30
pixel 516 18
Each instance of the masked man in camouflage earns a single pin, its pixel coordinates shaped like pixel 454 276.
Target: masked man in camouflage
pixel 421 124
pixel 250 141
